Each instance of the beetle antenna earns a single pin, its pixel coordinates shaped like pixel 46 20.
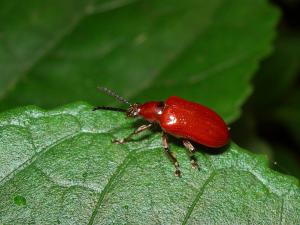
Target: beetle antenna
pixel 109 108
pixel 113 94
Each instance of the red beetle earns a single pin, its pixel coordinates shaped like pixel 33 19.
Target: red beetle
pixel 178 117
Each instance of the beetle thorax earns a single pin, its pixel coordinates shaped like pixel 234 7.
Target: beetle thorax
pixel 151 111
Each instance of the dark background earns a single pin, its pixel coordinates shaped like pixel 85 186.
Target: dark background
pixel 271 115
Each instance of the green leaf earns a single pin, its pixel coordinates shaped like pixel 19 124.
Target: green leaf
pixel 60 166
pixel 196 49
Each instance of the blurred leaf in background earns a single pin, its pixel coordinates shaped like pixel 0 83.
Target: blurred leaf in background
pixel 273 111
pixel 56 52
pixel 278 74
pixel 289 115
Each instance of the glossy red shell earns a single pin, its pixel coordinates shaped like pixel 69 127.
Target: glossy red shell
pixel 189 120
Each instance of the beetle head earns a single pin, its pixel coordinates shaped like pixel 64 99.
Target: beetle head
pixel 133 110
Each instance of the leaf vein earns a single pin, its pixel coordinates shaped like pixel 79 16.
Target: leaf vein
pixel 120 169
pixel 281 211
pixel 109 6
pixel 199 194
pixel 28 162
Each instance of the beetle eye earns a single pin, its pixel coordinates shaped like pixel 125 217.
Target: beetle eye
pixel 160 107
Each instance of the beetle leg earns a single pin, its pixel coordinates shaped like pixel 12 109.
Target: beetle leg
pixel 129 137
pixel 191 151
pixel 170 155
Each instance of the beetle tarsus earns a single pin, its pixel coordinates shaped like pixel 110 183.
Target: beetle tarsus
pixel 121 141
pixel 194 164
pixel 177 173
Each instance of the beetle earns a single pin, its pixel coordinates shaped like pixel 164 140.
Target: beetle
pixel 177 117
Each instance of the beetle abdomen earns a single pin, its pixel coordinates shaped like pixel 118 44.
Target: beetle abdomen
pixel 193 121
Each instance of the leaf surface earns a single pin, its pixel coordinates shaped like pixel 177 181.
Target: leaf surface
pixel 60 166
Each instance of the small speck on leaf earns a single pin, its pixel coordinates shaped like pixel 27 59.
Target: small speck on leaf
pixel 20 200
